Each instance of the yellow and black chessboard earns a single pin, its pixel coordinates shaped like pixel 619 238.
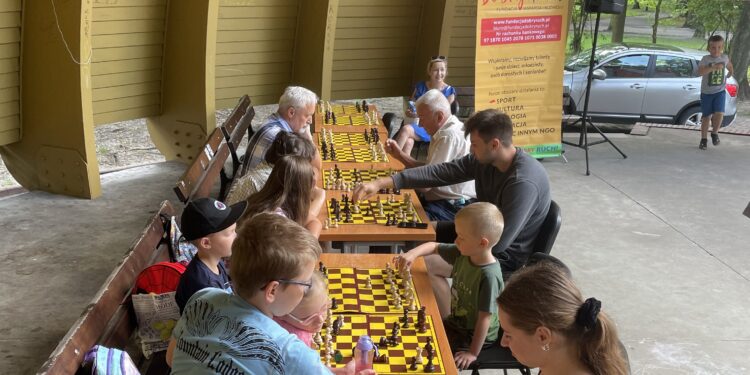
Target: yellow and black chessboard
pixel 347 285
pixel 363 218
pixel 345 139
pixel 380 325
pixel 350 176
pixel 354 155
pixel 343 109
pixel 359 119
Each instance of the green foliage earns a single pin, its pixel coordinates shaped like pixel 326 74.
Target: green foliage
pixel 712 16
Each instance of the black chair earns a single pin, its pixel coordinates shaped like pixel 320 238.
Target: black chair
pixel 497 357
pixel 548 232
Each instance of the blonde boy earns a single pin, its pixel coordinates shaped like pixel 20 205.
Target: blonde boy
pixel 210 226
pixel 713 89
pixel 477 280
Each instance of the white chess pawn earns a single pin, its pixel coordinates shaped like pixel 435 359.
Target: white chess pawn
pixel 398 303
pixel 327 223
pixel 368 281
pixel 419 355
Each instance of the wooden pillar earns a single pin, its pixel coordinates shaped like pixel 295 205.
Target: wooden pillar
pixel 188 80
pixel 57 151
pixel 313 50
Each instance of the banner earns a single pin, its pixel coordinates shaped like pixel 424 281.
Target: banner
pixel 519 68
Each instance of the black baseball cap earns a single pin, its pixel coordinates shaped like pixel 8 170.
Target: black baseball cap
pixel 204 216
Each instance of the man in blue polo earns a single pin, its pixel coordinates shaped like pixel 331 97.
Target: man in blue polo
pixel 295 113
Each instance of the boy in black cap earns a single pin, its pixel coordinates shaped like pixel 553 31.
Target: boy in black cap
pixel 209 225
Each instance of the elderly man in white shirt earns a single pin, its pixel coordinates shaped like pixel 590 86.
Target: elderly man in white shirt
pixel 448 143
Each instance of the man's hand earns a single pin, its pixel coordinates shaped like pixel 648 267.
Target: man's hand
pixel 364 191
pixel 391 147
pixel 464 359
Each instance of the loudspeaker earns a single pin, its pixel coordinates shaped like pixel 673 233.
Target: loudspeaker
pixel 604 6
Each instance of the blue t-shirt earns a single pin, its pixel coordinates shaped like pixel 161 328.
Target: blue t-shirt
pixel 220 333
pixel 198 276
pixel 421 89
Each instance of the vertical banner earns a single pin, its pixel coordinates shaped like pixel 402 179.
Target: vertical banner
pixel 519 68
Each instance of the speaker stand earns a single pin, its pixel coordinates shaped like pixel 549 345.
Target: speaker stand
pixel 585 120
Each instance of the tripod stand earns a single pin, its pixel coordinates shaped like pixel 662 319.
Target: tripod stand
pixel 585 121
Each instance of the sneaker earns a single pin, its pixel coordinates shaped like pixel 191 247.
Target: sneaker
pixel 703 144
pixel 715 139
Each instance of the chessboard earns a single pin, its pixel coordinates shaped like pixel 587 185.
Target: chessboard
pixel 398 355
pixel 390 211
pixel 349 287
pixel 338 179
pixel 344 139
pixel 348 154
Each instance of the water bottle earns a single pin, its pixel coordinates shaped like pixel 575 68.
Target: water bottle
pixel 363 354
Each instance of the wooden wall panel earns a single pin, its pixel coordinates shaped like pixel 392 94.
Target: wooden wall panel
pixel 462 44
pixel 10 52
pixel 374 48
pixel 126 73
pixel 254 50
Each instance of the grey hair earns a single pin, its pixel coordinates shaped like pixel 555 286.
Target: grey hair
pixel 435 102
pixel 297 97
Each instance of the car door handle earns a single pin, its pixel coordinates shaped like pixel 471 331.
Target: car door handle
pixel 689 87
pixel 636 86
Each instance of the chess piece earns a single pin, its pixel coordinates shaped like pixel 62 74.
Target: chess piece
pixel 338 324
pixel 338 357
pixel 428 347
pixel 419 355
pixel 368 282
pixel 406 315
pixel 329 323
pixel 397 301
pixel 413 366
pixel 365 106
pixel 335 223
pixel 334 303
pixel 333 117
pixel 429 367
pixel 359 109
pixel 318 339
pixel 383 342
pixel 383 358
pixel 356 209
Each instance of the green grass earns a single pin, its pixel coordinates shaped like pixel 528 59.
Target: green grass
pixel 605 37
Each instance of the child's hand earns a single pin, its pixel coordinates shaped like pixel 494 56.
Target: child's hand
pixel 404 261
pixel 350 368
pixel 464 359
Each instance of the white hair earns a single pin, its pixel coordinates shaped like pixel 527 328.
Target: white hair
pixel 297 97
pixel 435 102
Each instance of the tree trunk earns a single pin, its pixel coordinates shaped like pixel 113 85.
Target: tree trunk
pixel 618 24
pixel 740 55
pixel 656 21
pixel 636 4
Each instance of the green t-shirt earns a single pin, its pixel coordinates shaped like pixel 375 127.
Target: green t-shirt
pixel 474 289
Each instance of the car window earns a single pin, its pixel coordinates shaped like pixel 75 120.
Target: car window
pixel 633 66
pixel 673 67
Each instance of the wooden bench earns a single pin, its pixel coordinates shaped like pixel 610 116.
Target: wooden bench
pixel 208 166
pixel 109 319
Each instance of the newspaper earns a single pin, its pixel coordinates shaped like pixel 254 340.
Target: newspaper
pixel 157 315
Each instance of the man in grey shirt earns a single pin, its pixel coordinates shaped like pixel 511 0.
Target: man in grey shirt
pixel 504 175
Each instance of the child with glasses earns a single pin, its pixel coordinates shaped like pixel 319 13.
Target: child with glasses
pixel 307 318
pixel 273 261
pixel 437 69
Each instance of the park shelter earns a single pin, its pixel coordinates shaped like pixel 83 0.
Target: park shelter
pixel 68 66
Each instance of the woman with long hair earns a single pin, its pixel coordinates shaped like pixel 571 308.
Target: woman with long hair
pixel 290 191
pixel 548 325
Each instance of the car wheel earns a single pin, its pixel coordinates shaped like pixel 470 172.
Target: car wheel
pixel 691 117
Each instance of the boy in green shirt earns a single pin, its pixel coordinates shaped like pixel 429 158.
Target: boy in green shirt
pixel 477 280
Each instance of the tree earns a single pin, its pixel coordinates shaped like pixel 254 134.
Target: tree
pixel 740 54
pixel 656 21
pixel 578 19
pixel 618 24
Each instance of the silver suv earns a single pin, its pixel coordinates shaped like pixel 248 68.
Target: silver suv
pixel 641 82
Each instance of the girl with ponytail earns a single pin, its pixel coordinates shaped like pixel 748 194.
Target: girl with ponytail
pixel 548 325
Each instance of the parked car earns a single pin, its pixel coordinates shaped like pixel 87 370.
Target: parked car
pixel 641 82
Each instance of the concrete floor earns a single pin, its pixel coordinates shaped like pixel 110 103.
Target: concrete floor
pixel 659 237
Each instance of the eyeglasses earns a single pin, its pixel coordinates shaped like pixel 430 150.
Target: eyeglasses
pixel 438 58
pixel 307 285
pixel 312 319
